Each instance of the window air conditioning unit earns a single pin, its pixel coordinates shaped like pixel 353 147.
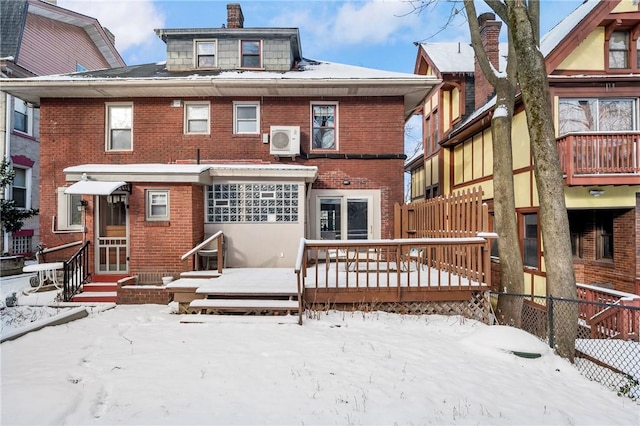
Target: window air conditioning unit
pixel 285 141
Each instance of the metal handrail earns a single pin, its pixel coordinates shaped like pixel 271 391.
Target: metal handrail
pixel 76 272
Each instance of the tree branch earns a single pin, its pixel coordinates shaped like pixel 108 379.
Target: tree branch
pixel 499 7
pixel 476 41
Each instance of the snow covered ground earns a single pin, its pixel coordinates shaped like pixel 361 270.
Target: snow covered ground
pixel 138 365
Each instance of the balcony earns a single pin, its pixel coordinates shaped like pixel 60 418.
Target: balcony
pixel 600 158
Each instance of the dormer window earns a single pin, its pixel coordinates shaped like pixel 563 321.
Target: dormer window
pixel 250 53
pixel 619 50
pixel 205 53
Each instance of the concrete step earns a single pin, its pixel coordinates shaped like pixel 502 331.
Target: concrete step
pixel 99 287
pixel 96 296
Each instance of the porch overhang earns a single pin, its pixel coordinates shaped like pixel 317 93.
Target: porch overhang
pixel 164 173
pixel 94 187
pixel 308 174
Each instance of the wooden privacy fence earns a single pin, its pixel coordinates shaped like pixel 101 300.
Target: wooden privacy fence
pixel 457 215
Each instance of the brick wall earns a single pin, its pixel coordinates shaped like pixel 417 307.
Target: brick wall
pixel 141 294
pixel 73 133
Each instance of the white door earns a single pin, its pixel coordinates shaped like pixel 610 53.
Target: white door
pixel 112 248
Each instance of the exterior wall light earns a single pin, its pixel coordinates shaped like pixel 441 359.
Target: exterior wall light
pixel 596 192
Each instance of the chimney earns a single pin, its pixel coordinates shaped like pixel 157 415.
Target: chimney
pixel 235 18
pixel 489 34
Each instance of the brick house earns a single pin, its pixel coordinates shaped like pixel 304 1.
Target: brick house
pixel 236 132
pixel 593 64
pixel 40 38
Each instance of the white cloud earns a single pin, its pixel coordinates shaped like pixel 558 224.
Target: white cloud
pixel 132 22
pixel 330 25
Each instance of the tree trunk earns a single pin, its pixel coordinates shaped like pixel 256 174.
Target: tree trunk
pixel 554 223
pixel 504 206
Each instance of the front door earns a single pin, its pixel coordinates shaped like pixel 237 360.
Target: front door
pixel 112 248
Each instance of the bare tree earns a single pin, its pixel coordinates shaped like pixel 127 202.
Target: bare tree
pixel 504 205
pixel 523 23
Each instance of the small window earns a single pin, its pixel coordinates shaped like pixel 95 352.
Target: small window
pixel 205 54
pixel 246 117
pixel 157 205
pixel 324 131
pixel 22 244
pixel 22 117
pixel 250 54
pixel 119 127
pixel 80 67
pixel 604 235
pixel 20 188
pixel 619 50
pixel 530 239
pixel 196 117
pixel 69 211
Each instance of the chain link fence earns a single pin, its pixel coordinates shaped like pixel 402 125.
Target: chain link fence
pixel 607 349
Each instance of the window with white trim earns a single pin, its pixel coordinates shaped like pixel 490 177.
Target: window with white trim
pixel 246 118
pixel 597 115
pixel 69 211
pixel 205 53
pixel 157 204
pixel 119 129
pixel 250 54
pixel 252 202
pixel 21 188
pixel 324 132
pixel 196 118
pixel 22 117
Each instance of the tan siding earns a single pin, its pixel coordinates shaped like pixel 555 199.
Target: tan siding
pixel 589 55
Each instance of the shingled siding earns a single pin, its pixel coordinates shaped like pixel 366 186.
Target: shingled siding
pixel 276 54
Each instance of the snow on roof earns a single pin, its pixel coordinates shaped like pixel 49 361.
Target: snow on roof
pixel 564 27
pixel 452 57
pixel 159 168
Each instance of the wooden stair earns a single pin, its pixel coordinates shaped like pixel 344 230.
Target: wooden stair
pixel 97 292
pixel 251 292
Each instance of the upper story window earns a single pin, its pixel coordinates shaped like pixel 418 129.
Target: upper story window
pixel 246 117
pixel 431 133
pixel 324 126
pixel 205 53
pixel 22 117
pixel 619 50
pixel 597 115
pixel 196 118
pixel 20 187
pixel 250 54
pixel 119 127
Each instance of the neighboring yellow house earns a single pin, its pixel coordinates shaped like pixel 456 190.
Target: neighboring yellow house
pixel 593 62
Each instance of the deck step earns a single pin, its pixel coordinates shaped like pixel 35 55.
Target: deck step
pixel 219 291
pixel 241 319
pixel 200 274
pixel 245 304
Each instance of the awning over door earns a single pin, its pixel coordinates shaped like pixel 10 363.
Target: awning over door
pixel 93 187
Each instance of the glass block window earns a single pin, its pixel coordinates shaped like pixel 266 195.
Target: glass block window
pixel 252 202
pixel 22 244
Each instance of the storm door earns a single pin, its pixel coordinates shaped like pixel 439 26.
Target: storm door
pixel 112 248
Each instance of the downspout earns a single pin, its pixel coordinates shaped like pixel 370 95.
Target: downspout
pixel 8 107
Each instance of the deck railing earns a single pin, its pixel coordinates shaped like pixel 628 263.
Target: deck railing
pixel 600 158
pixel 76 272
pixel 219 236
pixel 391 270
pixel 607 316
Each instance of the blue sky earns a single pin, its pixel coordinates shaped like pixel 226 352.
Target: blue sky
pixel 372 33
